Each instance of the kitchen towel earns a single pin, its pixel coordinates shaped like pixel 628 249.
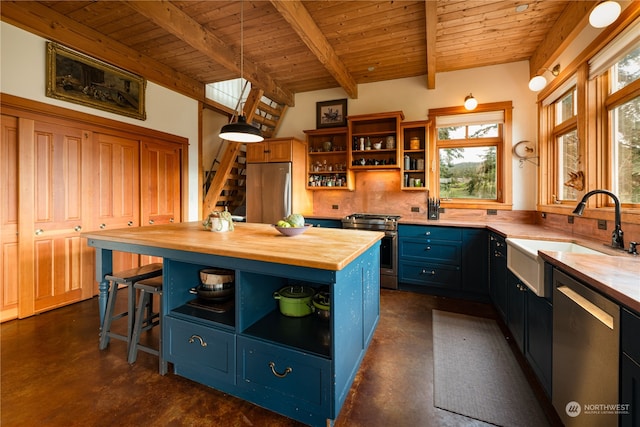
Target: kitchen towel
pixel 477 375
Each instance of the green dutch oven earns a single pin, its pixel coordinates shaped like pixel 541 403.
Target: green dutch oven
pixel 295 301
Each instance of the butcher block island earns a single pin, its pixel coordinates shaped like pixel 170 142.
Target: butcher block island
pixel 301 367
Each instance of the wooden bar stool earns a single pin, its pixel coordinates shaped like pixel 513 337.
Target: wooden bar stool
pixel 117 282
pixel 145 322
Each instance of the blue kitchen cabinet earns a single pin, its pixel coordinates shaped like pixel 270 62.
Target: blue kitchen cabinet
pixel 323 222
pixel 629 368
pixel 451 261
pixel 530 321
pixel 430 256
pixel 516 300
pixel 498 273
pixel 475 262
pixel 538 340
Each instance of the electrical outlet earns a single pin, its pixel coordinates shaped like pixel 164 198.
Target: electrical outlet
pixel 543 215
pixel 570 219
pixel 334 206
pixel 492 212
pixel 602 224
pixel 415 209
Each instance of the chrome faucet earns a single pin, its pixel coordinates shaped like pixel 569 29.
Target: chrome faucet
pixel 617 237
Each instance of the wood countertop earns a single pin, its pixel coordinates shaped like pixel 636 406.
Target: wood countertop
pixel 615 276
pixel 322 248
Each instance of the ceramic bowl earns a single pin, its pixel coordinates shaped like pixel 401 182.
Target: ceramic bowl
pixel 292 231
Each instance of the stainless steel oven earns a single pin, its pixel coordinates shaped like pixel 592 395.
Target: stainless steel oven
pixel 388 246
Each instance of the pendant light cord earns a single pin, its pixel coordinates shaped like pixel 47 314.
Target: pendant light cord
pixel 240 103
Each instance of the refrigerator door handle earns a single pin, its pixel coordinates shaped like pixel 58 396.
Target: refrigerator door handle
pixel 287 194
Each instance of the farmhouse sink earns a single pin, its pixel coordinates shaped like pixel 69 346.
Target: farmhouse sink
pixel 524 262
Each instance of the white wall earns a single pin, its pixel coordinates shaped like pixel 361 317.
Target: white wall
pixel 23 74
pixel 488 84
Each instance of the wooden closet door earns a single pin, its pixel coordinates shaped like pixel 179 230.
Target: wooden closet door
pixel 117 194
pixel 55 262
pixel 160 189
pixel 9 219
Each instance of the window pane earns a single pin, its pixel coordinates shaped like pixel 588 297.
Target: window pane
pixel 567 145
pixel 565 108
pixel 483 131
pixel 468 173
pixel 456 132
pixel 626 151
pixel 626 71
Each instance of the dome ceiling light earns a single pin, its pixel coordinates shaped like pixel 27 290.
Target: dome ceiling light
pixel 604 14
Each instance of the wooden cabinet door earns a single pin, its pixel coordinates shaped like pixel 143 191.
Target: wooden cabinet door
pixel 117 189
pixel 55 262
pixel 9 219
pixel 256 152
pixel 160 190
pixel 160 183
pixel 279 151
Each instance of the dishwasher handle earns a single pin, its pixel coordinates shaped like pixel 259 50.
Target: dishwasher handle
pixel 591 308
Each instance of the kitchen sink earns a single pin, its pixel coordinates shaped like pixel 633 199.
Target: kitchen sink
pixel 524 262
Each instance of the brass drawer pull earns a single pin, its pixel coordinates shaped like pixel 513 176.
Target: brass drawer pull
pixel 287 370
pixel 195 337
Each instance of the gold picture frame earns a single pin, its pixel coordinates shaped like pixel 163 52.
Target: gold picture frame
pixel 83 80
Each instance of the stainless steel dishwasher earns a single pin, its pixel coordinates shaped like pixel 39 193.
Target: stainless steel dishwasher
pixel 586 347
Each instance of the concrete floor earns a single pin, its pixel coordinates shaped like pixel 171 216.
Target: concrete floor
pixel 53 374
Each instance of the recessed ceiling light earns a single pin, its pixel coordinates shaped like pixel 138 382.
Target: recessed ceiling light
pixel 522 7
pixel 371 68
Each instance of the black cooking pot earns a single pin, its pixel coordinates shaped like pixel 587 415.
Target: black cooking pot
pixel 217 292
pixel 321 305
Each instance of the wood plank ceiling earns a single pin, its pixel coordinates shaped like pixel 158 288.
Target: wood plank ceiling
pixel 297 46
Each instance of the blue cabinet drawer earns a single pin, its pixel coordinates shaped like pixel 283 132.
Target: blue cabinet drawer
pixel 434 275
pixel 430 232
pixel 285 380
pixel 439 252
pixel 209 351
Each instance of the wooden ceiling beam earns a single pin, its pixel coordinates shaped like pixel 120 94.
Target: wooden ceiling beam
pixel 431 21
pixel 294 12
pixel 38 19
pixel 178 23
pixel 572 21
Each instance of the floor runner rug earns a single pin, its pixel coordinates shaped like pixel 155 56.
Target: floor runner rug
pixel 477 375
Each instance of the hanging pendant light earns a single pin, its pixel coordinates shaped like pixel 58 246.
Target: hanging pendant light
pixel 241 131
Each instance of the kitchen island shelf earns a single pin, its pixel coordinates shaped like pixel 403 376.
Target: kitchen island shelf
pixel 225 320
pixel 299 333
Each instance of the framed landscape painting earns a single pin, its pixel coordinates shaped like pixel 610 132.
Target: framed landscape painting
pixel 80 79
pixel 331 113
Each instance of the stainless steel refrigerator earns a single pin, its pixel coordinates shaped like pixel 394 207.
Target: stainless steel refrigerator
pixel 269 192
